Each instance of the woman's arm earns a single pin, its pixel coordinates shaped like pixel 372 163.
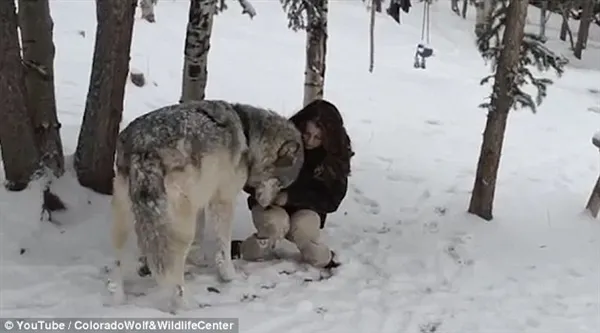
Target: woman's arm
pixel 317 196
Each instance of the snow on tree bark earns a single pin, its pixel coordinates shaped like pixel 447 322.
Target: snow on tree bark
pixel 38 56
pixel 584 27
pixel 94 157
pixel 316 51
pixel 505 84
pixel 197 46
pixel 17 142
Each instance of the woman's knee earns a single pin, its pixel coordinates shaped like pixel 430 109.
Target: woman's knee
pixel 304 226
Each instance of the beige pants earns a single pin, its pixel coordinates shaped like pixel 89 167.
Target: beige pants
pixel 274 224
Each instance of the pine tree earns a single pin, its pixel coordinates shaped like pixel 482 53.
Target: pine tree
pixel 511 57
pixel 311 16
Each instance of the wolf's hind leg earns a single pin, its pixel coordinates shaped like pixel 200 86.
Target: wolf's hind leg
pixel 180 232
pixel 222 220
pixel 122 221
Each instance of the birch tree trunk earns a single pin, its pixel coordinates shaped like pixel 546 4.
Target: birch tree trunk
pixel 482 197
pixel 197 46
pixel 584 27
pixel 95 154
pixel 38 55
pixel 316 51
pixel 17 143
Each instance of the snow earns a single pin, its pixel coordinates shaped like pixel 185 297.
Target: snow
pixel 414 260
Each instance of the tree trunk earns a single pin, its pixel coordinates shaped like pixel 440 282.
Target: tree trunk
pixel 564 8
pixel 543 13
pixel 464 8
pixel 584 27
pixel 454 6
pixel 316 51
pixel 378 5
pixel 482 197
pixel 482 18
pixel 564 27
pixel 372 40
pixel 197 45
pixel 19 152
pixel 38 55
pixel 95 154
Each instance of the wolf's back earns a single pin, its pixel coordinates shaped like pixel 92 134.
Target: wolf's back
pixel 150 209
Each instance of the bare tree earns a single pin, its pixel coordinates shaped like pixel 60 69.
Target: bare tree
pixel 511 56
pixel 585 22
pixel 94 157
pixel 197 46
pixel 38 56
pixel 19 152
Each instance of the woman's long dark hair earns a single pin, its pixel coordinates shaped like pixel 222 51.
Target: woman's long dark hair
pixel 335 139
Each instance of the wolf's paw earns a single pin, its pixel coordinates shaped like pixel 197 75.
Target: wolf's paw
pixel 115 295
pixel 179 303
pixel 226 271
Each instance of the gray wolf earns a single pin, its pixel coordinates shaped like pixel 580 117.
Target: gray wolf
pixel 299 211
pixel 176 162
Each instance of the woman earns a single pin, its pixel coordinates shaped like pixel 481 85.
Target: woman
pixel 300 211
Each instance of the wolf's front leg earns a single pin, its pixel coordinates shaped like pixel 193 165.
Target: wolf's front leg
pixel 222 220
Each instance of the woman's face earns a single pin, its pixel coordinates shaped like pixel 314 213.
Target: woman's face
pixel 312 136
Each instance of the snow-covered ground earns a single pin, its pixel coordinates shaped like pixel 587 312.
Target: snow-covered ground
pixel 414 260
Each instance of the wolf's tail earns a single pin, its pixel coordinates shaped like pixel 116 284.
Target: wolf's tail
pixel 150 209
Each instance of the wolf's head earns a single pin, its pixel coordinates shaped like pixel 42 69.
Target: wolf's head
pixel 275 152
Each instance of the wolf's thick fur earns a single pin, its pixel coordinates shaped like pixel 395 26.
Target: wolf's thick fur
pixel 174 162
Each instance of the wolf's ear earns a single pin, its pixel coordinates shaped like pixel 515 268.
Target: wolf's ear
pixel 286 156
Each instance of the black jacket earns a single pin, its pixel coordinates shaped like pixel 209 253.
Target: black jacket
pixel 311 192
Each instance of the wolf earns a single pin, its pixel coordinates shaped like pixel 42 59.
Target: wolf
pixel 174 163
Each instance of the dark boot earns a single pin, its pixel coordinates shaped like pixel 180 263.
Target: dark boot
pixel 236 252
pixel 333 263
